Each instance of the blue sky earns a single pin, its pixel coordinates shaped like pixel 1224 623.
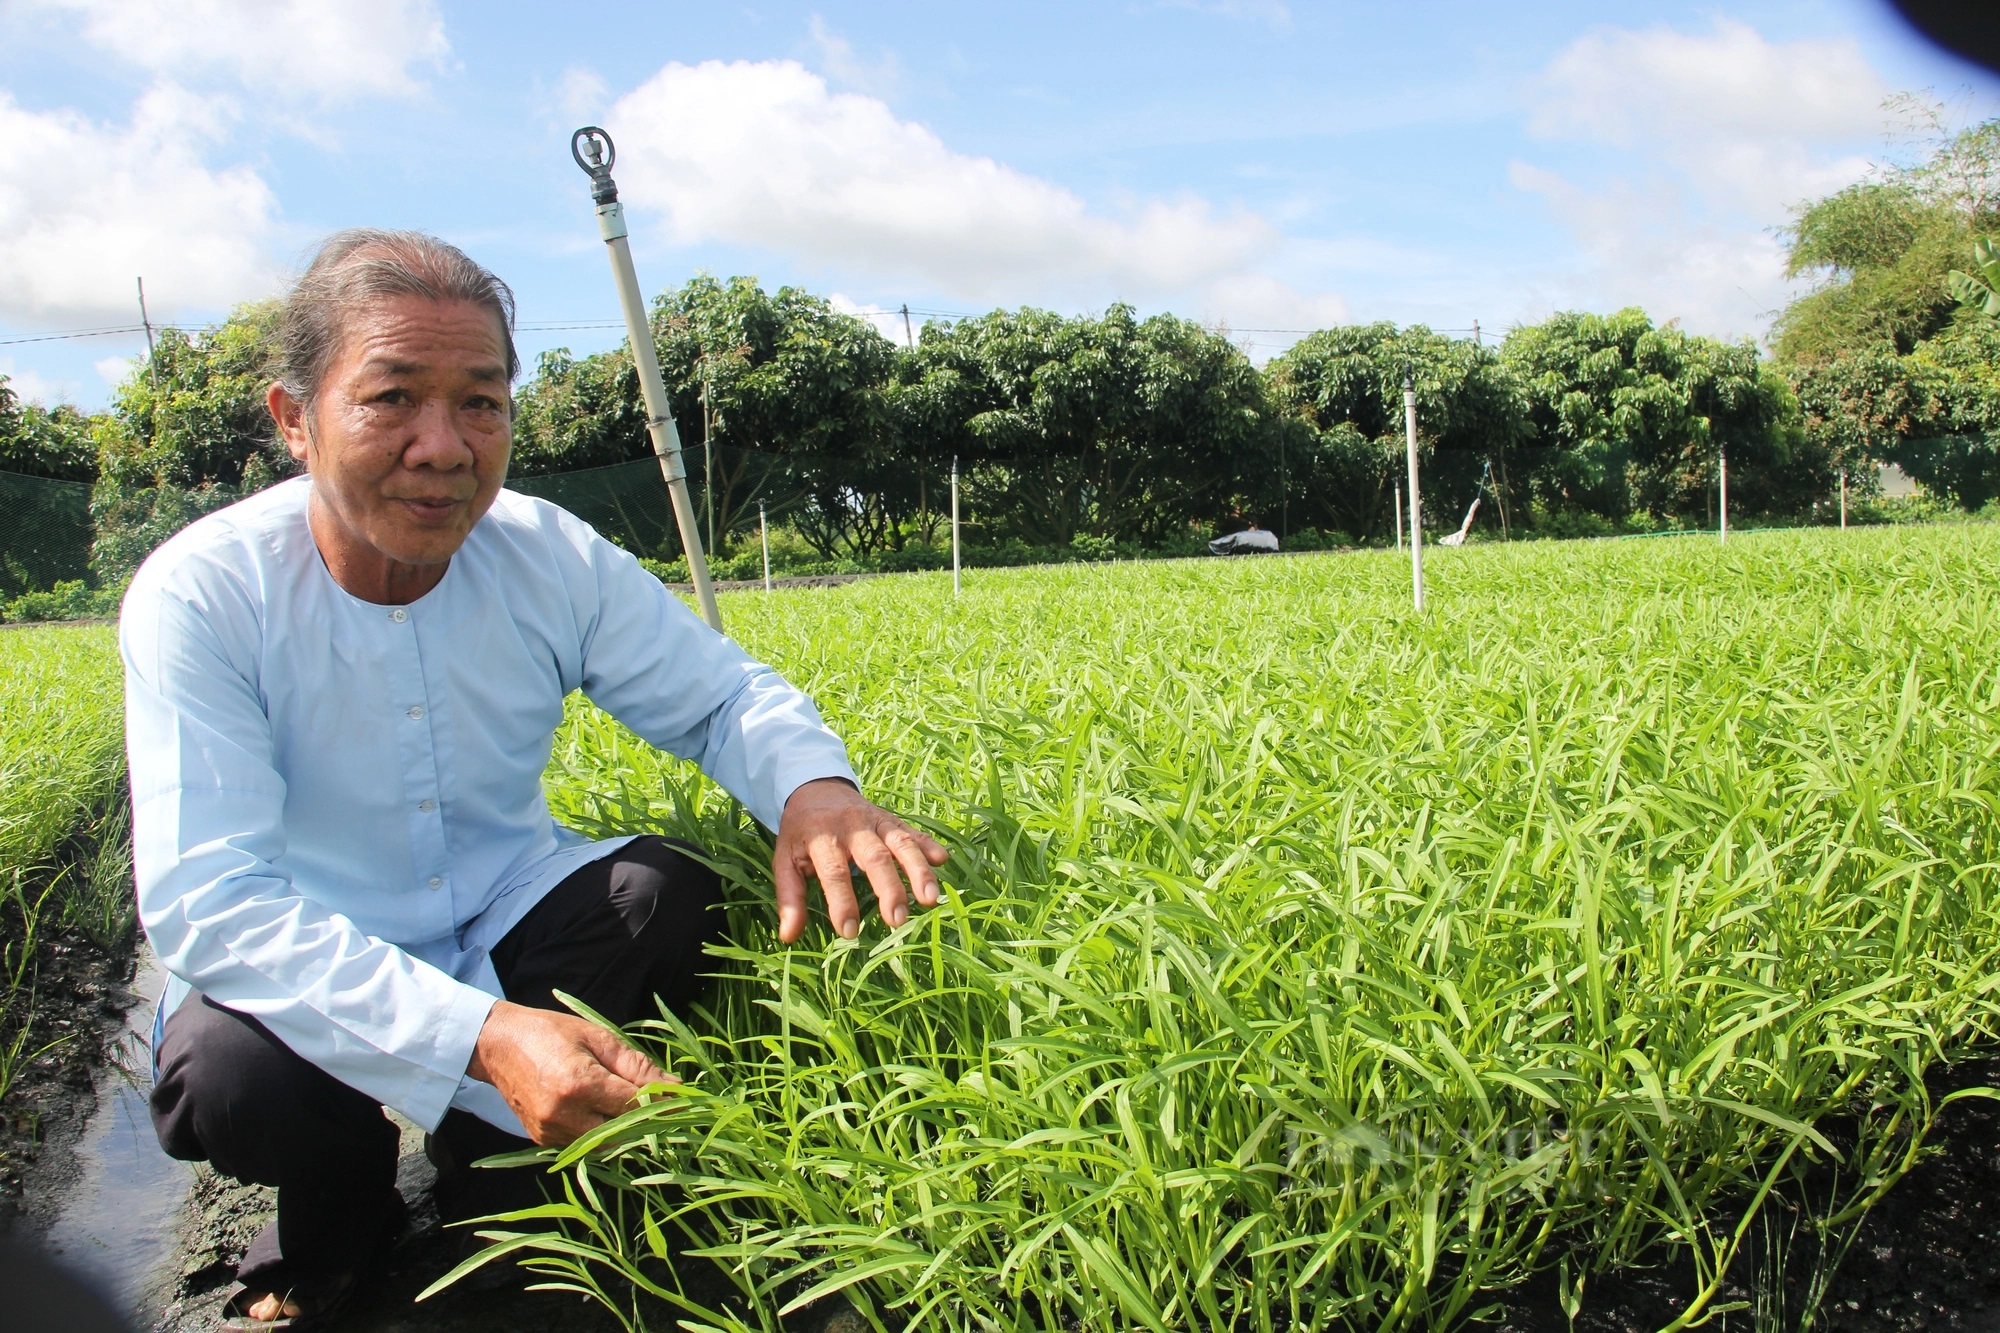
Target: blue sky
pixel 1264 166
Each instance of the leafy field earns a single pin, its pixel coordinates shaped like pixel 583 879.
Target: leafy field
pixel 61 761
pixel 1306 964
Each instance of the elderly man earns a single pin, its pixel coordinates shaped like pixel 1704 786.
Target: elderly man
pixel 341 695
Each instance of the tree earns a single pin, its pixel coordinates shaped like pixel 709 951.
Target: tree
pixel 1978 292
pixel 784 373
pixel 1954 447
pixel 1883 249
pixel 47 460
pixel 1633 418
pixel 1113 427
pixel 188 433
pixel 52 442
pixel 1346 386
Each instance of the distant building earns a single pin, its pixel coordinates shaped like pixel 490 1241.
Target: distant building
pixel 1896 483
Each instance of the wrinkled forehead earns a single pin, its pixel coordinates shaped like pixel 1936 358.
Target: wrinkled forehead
pixel 399 335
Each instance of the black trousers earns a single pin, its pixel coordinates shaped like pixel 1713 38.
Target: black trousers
pixel 618 932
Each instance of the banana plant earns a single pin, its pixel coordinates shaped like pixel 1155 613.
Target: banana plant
pixel 1979 290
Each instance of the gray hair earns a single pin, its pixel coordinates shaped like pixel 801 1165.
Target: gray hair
pixel 364 264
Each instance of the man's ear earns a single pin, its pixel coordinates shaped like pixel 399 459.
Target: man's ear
pixel 289 415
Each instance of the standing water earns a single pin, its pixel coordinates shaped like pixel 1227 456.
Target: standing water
pixel 116 1225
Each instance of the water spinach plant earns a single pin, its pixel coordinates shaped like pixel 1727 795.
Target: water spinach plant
pixel 1308 964
pixel 61 763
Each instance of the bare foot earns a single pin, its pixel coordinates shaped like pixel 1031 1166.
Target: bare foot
pixel 272 1307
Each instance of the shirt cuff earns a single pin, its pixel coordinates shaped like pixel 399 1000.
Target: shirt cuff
pixel 794 778
pixel 457 1035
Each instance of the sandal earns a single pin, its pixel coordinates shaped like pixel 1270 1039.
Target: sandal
pixel 321 1300
pixel 321 1303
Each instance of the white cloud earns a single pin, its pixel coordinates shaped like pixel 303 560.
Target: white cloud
pixel 1623 85
pixel 837 57
pixel 114 369
pixel 87 207
pixel 764 154
pixel 32 386
pixel 1266 314
pixel 887 322
pixel 1712 138
pixel 580 95
pixel 1641 247
pixel 293 48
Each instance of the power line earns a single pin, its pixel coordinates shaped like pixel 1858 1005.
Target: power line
pixel 73 333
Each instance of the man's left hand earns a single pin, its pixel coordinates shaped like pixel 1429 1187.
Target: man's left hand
pixel 827 826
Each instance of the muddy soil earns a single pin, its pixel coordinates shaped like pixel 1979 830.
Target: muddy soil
pixel 81 995
pixel 221 1217
pixel 1926 1259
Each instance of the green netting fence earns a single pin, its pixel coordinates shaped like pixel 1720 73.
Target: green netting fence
pixel 830 498
pixel 45 533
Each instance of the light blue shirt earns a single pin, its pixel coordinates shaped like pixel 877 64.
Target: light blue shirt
pixel 338 807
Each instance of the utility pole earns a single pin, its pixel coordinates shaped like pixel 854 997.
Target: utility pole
pixel 594 152
pixel 954 525
pixel 908 337
pixel 1475 334
pixel 152 369
pixel 764 536
pixel 1416 499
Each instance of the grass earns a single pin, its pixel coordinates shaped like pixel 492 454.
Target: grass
pixel 64 845
pixel 1307 964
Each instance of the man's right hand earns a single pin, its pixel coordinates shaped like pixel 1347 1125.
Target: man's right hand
pixel 561 1075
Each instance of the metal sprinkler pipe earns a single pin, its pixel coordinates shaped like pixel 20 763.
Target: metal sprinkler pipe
pixel 594 152
pixel 1416 497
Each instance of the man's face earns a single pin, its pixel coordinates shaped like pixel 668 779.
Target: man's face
pixel 408 442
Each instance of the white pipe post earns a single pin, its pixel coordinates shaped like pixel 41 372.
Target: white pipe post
pixel 954 525
pixel 1416 500
pixel 594 144
pixel 1843 499
pixel 764 537
pixel 707 457
pixel 1396 512
pixel 1722 457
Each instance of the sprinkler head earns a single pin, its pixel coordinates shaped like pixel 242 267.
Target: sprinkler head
pixel 594 152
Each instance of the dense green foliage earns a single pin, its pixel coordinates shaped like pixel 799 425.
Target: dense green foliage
pixel 1893 354
pixel 1111 426
pixel 1978 292
pixel 1884 250
pixel 37 441
pixel 1308 963
pixel 62 832
pixel 1339 394
pixel 1633 418
pixel 188 433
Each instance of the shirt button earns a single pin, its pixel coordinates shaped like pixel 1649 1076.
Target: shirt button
pixel 435 881
pixel 417 713
pixel 399 615
pixel 427 806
